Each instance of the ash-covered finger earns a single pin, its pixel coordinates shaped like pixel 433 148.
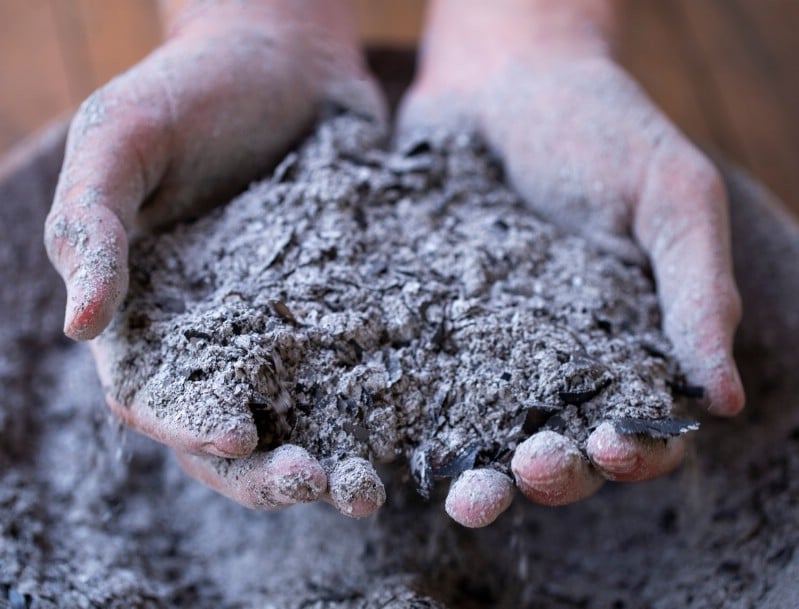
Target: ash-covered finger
pixel 263 481
pixel 89 248
pixel 355 488
pixel 478 497
pixel 629 458
pixel 550 469
pixel 293 475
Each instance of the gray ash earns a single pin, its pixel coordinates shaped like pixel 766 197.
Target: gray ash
pixel 381 304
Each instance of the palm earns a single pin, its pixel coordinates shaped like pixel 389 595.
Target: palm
pixel 588 151
pixel 182 131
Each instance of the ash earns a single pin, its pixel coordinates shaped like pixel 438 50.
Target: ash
pixel 390 304
pixel 96 517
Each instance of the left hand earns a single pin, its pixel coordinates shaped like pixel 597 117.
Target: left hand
pixel 589 152
pixel 234 86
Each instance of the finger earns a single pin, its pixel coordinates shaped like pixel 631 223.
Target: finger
pixel 266 481
pixel 112 160
pixel 683 224
pixel 478 497
pixel 219 431
pixel 421 113
pixel 355 488
pixel 550 469
pixel 89 249
pixel 633 458
pixel 233 436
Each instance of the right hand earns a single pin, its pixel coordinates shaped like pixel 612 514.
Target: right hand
pixel 588 151
pixel 232 88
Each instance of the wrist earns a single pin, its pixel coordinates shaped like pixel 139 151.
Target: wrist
pixel 318 37
pixel 330 18
pixel 467 41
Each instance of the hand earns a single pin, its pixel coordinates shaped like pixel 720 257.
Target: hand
pixel 589 152
pixel 234 86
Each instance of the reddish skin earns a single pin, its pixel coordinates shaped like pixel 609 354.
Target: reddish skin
pixel 263 478
pixel 231 89
pixel 550 469
pixel 478 496
pixel 586 149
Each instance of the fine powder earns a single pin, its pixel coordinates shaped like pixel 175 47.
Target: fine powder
pixel 389 304
pixel 93 516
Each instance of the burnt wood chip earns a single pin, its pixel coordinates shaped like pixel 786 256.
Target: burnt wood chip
pixel 453 465
pixel 283 312
pixel 579 397
pixel 430 463
pixel 654 428
pixel 695 392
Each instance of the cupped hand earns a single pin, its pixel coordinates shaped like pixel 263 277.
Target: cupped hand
pixel 232 88
pixel 588 151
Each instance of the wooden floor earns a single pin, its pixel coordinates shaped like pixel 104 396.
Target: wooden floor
pixel 727 71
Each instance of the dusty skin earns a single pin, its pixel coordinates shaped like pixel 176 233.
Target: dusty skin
pixel 363 304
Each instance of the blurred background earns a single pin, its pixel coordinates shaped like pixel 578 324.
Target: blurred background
pixel 726 71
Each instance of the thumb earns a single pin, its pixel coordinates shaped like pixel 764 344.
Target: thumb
pixel 89 249
pixel 102 184
pixel 682 222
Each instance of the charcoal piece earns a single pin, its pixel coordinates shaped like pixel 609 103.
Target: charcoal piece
pixel 452 466
pixel 695 392
pixel 581 396
pixel 654 428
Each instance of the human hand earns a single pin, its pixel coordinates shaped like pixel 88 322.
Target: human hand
pixel 230 90
pixel 589 152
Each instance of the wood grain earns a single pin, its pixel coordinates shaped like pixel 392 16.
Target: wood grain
pixel 111 48
pixel 390 22
pixel 731 53
pixel 726 71
pixel 33 82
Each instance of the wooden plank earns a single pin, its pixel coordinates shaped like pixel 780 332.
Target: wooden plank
pixel 653 50
pixel 119 34
pixel 771 27
pixel 389 22
pixel 74 51
pixel 33 84
pixel 721 136
pixel 757 115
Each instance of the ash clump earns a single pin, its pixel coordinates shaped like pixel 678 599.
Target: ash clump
pixel 380 304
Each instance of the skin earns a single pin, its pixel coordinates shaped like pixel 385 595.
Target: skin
pixel 579 141
pixel 587 150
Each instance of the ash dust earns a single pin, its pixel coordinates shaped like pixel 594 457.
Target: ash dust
pixel 93 516
pixel 388 304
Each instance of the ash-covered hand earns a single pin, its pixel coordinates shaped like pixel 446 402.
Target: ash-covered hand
pixel 589 152
pixel 232 88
